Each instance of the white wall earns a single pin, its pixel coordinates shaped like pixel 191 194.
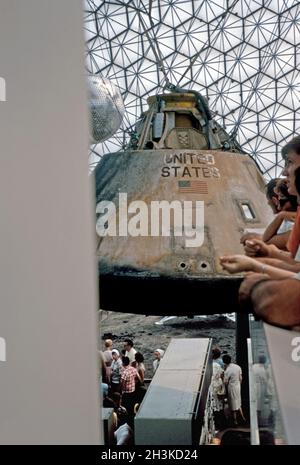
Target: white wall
pixel 48 303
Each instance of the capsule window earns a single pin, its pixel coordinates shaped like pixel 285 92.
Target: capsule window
pixel 247 211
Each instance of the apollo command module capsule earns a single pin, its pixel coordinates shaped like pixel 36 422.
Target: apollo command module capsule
pixel 168 206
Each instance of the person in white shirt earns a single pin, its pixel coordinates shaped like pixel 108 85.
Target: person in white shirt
pixel 233 379
pixel 129 350
pixel 116 371
pixel 158 354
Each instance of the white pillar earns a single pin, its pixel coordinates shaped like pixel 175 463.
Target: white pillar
pixel 48 300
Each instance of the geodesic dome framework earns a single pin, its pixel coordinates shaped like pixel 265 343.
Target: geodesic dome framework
pixel 242 55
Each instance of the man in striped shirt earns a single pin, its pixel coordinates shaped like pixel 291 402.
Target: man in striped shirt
pixel 128 380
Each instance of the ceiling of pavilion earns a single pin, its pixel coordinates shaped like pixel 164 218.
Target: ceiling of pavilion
pixel 243 55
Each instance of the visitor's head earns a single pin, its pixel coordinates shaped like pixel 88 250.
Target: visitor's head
pixel 108 344
pixel 226 359
pixel 158 353
pixel 291 156
pixel 139 358
pixel 287 202
pixel 125 361
pixel 115 354
pixel 216 353
pixel 128 344
pixel 262 359
pixel 271 195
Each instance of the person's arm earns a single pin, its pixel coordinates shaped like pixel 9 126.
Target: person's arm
pixel 240 263
pixel 257 248
pixel 119 369
pixel 137 377
pixel 280 240
pixel 273 272
pixel 272 228
pixel 237 263
pixel 289 264
pixel 123 380
pixel 245 290
pixel 249 236
pixel 277 301
pixel 142 375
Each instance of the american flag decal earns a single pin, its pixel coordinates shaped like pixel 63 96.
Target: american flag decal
pixel 193 187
